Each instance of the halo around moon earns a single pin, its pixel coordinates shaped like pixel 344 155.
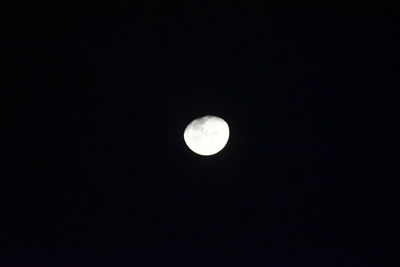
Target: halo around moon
pixel 206 135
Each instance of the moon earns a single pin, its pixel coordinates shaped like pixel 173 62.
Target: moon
pixel 206 135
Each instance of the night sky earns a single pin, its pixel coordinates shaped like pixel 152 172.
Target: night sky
pixel 94 169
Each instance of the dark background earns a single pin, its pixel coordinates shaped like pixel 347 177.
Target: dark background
pixel 94 169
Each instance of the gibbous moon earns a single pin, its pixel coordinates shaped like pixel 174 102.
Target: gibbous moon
pixel 206 135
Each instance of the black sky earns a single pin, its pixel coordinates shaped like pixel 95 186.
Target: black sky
pixel 95 171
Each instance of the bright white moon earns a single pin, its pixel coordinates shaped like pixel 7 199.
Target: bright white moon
pixel 206 135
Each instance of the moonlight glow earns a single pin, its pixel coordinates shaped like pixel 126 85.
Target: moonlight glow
pixel 206 135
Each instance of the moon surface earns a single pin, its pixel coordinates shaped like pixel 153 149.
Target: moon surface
pixel 207 135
